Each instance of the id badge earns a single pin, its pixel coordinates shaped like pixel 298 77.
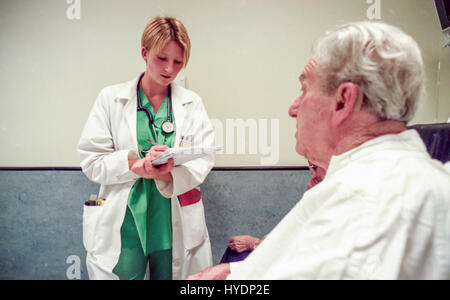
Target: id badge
pixel 187 141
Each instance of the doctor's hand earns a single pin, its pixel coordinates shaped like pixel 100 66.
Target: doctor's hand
pixel 144 168
pixel 156 151
pixel 242 243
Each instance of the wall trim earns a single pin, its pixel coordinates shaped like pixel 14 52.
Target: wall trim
pixel 78 169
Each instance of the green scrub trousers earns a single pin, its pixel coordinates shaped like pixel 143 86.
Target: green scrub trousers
pixel 146 232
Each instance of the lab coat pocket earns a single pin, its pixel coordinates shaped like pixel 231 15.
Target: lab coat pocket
pixel 194 224
pixel 91 215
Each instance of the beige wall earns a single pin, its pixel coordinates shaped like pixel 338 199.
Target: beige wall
pixel 246 57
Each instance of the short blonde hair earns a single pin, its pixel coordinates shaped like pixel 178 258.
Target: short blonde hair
pixel 161 30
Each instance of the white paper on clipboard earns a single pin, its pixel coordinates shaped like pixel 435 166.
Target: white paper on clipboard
pixel 184 154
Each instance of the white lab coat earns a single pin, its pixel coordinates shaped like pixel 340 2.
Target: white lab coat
pixel 107 142
pixel 382 212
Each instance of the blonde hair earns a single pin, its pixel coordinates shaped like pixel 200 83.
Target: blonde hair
pixel 383 60
pixel 161 30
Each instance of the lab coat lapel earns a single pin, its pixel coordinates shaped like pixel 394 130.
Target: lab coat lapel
pixel 179 100
pixel 130 111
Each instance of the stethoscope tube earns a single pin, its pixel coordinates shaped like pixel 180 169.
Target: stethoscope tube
pixel 168 123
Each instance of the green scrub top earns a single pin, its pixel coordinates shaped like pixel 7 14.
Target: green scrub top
pixel 151 211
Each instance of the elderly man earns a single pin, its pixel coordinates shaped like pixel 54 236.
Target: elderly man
pixel 383 209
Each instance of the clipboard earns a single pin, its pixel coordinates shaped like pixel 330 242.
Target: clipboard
pixel 182 155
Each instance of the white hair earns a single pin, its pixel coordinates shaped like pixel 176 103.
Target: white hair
pixel 381 59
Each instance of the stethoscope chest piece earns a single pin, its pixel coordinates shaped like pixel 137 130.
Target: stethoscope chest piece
pixel 167 127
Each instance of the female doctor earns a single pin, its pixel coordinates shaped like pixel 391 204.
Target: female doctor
pixel 151 221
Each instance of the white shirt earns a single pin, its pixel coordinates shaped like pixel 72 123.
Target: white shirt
pixel 382 212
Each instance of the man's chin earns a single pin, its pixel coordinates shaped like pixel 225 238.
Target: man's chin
pixel 300 151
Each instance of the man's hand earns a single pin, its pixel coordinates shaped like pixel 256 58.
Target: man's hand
pixel 242 243
pixel 218 272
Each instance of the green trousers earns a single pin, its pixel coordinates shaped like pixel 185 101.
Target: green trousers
pixel 132 264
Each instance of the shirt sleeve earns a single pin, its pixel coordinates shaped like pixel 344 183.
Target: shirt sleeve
pixel 315 240
pixel 234 268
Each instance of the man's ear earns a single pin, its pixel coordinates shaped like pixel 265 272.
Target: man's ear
pixel 348 99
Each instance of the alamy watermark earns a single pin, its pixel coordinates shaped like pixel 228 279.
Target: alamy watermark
pixel 73 12
pixel 374 10
pixel 236 137
pixel 74 270
pixel 254 137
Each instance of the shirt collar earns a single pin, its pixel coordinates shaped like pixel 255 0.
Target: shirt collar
pixel 129 90
pixel 408 140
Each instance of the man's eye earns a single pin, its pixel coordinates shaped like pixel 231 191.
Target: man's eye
pixel 162 58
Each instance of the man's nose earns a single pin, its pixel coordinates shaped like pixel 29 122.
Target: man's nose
pixel 294 108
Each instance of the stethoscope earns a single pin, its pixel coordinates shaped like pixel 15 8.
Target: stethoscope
pixel 167 127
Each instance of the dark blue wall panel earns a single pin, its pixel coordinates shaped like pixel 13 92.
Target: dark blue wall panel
pixel 41 215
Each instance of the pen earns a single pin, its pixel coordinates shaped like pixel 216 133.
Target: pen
pixel 152 142
pixel 146 151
